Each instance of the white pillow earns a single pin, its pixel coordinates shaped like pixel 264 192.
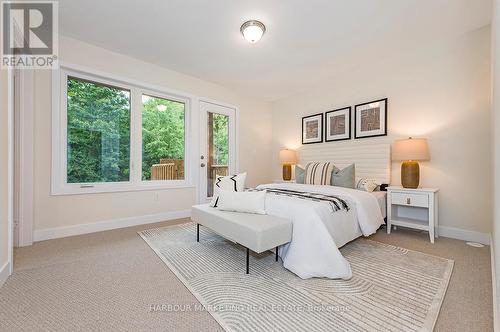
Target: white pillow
pixel 246 202
pixel 232 182
pixel 365 184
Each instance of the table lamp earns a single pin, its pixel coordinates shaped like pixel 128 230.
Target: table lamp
pixel 287 159
pixel 410 151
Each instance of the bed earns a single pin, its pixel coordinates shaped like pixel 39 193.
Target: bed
pixel 319 231
pixel 381 197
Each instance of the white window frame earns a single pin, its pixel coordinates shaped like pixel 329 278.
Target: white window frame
pixel 137 89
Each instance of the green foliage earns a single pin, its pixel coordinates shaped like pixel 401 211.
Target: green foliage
pixel 221 139
pixel 98 133
pixel 162 132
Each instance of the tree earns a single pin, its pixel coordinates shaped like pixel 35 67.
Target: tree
pixel 98 133
pixel 221 139
pixel 163 131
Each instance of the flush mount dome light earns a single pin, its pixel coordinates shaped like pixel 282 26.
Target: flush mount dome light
pixel 253 31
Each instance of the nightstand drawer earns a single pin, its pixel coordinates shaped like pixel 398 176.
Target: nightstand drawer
pixel 410 199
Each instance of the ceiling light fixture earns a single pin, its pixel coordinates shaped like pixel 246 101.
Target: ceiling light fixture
pixel 253 31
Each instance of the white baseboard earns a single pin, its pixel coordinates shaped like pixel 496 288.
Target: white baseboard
pixel 59 232
pixel 465 235
pixel 64 231
pixel 4 273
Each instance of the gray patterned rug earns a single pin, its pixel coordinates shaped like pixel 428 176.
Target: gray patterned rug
pixel 392 289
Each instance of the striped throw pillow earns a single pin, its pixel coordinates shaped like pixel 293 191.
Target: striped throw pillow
pixel 319 173
pixel 366 184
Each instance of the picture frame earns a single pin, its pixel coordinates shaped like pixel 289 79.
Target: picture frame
pixel 338 125
pixel 312 129
pixel 371 119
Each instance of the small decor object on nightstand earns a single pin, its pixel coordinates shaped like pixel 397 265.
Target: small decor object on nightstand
pixel 312 129
pixel 413 208
pixel 410 151
pixel 287 159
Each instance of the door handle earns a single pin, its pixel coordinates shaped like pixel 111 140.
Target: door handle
pixel 202 164
pixel 408 201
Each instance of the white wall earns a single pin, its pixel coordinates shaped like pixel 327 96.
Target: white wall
pixel 440 91
pixel 496 149
pixel 57 211
pixel 4 202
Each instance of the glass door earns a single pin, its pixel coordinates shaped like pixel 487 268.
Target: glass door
pixel 218 146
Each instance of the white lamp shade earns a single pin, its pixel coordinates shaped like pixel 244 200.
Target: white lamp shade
pixel 411 149
pixel 288 157
pixel 253 31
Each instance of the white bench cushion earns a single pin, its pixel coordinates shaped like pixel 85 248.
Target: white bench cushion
pixel 256 232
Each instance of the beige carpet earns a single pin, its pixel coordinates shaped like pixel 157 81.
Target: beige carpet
pixel 111 281
pixel 392 288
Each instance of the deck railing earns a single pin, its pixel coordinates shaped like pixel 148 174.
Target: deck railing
pixel 218 170
pixel 171 171
pixel 214 171
pixel 163 172
pixel 178 167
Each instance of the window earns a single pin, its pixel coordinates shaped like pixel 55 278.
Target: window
pixel 113 135
pixel 163 142
pixel 98 132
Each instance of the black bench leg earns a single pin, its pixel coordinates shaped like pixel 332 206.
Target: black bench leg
pixel 248 260
pixel 197 232
pixel 276 254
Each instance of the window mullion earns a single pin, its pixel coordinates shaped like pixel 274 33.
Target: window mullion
pixel 136 136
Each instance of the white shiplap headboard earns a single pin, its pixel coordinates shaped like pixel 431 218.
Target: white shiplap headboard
pixel 371 160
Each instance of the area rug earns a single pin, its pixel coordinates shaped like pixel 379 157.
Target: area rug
pixel 392 288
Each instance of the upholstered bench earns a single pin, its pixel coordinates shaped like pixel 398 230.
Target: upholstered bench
pixel 256 232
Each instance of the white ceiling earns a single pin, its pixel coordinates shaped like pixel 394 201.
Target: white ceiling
pixel 306 40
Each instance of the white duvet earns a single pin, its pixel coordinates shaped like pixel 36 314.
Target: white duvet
pixel 318 232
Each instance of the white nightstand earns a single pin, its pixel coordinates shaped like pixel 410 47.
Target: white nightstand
pixel 413 208
pixel 283 181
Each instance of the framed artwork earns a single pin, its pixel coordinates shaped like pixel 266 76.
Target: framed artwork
pixel 371 119
pixel 338 124
pixel 312 129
